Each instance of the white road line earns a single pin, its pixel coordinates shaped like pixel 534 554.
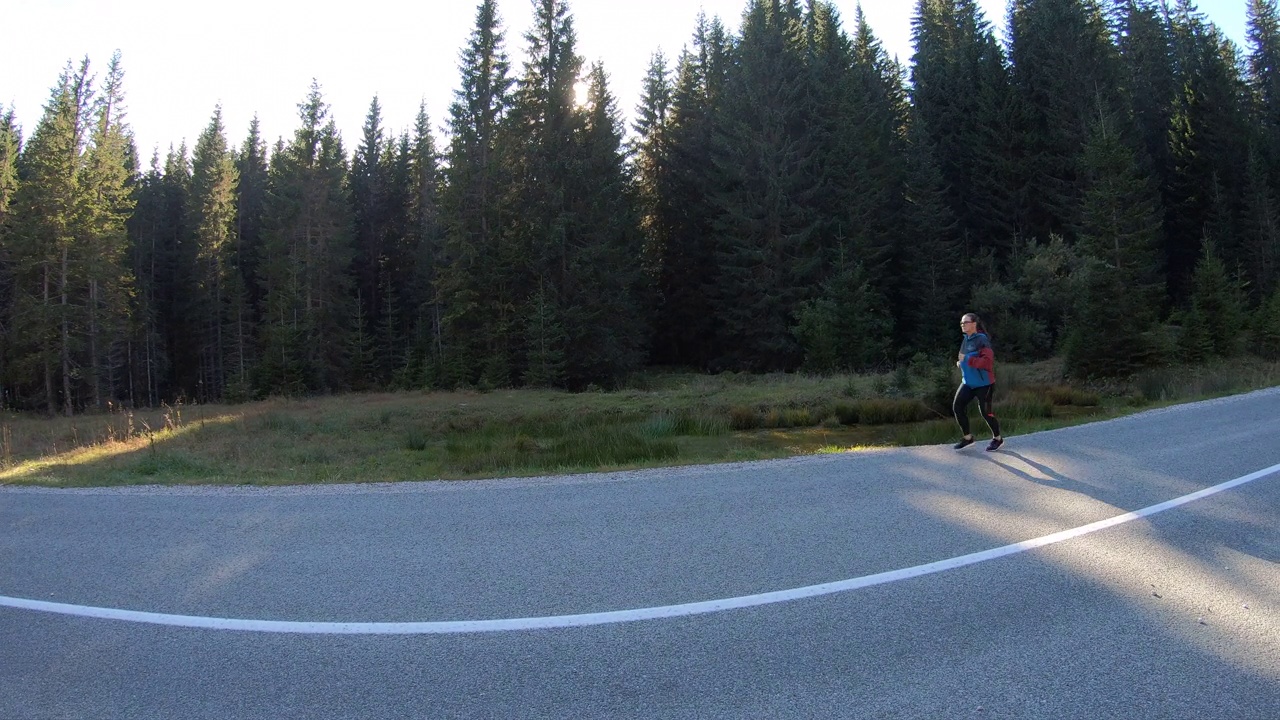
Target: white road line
pixel 618 616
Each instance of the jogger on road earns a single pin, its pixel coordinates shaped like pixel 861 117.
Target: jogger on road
pixel 976 361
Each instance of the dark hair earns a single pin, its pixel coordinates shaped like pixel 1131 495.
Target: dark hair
pixel 977 323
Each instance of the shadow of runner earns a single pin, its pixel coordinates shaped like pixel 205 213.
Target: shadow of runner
pixel 1048 476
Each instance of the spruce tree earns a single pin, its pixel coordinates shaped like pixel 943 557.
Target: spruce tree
pixel 1209 144
pixel 1120 218
pixel 308 249
pixel 875 214
pixel 1149 80
pixel 537 250
pixel 968 114
pixel 766 167
pixel 475 300
pixel 368 185
pixel 170 270
pixel 1261 226
pixel 148 355
pixel 1216 322
pixel 930 279
pixel 251 195
pixel 847 328
pixel 180 255
pixel 684 267
pixel 651 159
pixel 46 242
pixel 1064 69
pixel 65 245
pixel 605 324
pixel 108 179
pixel 1263 34
pixel 573 250
pixel 215 291
pixel 424 304
pixel 10 146
pixel 1111 329
pixel 1266 327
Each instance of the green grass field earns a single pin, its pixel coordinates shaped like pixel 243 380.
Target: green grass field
pixel 659 420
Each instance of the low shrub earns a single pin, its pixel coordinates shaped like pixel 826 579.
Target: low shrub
pixel 744 418
pixel 415 439
pixel 1066 395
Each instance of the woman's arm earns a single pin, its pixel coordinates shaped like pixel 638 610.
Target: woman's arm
pixel 984 359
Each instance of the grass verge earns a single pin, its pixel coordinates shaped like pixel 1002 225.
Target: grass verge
pixel 661 420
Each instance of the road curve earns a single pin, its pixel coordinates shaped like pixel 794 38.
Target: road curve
pixel 1130 567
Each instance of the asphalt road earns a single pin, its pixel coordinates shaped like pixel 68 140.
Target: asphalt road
pixel 1175 614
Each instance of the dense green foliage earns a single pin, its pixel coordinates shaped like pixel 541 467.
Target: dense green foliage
pixel 1104 185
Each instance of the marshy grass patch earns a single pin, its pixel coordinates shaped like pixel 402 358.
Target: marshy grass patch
pixel 661 420
pixel 883 411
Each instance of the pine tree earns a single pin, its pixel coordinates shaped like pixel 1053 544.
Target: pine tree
pixel 651 158
pixel 537 251
pixel 1216 322
pixel 304 334
pixel 847 328
pixel 46 241
pixel 368 183
pixel 147 356
pixel 108 178
pixel 930 279
pixel 424 305
pixel 1263 33
pixel 683 269
pixel 475 303
pixel 970 118
pixel 605 323
pixel 1209 144
pixel 215 290
pixel 1261 227
pixel 10 147
pixel 251 195
pixel 767 181
pixel 1111 333
pixel 1120 218
pixel 1266 327
pixel 1064 68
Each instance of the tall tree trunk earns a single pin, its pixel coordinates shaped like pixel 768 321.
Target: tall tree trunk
pixel 63 281
pixel 96 377
pixel 48 351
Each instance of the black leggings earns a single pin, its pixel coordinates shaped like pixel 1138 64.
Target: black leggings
pixel 965 395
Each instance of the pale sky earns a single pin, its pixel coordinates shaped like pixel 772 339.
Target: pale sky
pixel 181 58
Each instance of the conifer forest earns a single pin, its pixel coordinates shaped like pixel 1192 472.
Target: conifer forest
pixel 1100 183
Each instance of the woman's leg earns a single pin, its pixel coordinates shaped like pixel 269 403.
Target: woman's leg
pixel 960 408
pixel 985 396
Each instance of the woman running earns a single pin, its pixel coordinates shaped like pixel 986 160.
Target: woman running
pixel 978 380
